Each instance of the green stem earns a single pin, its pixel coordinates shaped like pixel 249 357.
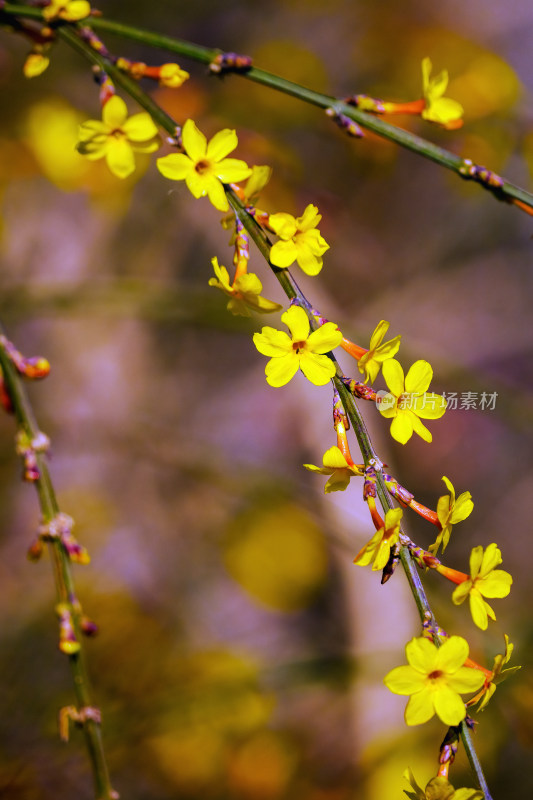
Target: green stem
pixel 65 588
pixel 506 191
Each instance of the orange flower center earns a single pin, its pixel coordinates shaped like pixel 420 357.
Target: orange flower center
pixel 435 675
pixel 202 166
pixel 297 346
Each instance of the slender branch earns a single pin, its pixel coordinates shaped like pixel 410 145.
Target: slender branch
pixel 65 589
pixel 501 188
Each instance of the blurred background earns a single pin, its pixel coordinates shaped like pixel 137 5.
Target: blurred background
pixel 240 653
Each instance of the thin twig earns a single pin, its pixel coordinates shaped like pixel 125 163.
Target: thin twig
pixel 65 589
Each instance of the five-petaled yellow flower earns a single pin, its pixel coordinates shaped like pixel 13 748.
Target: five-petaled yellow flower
pixel 439 109
pixel 305 351
pixel 498 675
pixel 408 399
pixel 450 511
pixel 300 240
pixel 204 166
pixel 69 10
pixel 245 294
pixel 439 788
pixel 117 137
pixel 338 468
pixel 379 547
pixel 369 363
pixel 484 581
pixel 434 679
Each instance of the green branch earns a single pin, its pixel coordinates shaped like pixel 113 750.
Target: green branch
pixel 65 589
pixel 502 189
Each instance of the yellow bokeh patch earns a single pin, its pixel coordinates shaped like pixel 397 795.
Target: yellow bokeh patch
pixel 278 555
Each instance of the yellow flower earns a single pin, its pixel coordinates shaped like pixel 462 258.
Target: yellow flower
pixel 484 581
pixel 450 511
pixel 244 294
pixel 370 362
pixel 35 64
pixel 497 676
pixel 439 789
pixel 117 137
pixel 204 166
pixel 336 465
pixel 379 547
pixel 408 400
pixel 300 240
pixel 439 109
pixel 172 76
pixel 305 351
pixel 434 679
pixel 257 181
pixel 69 10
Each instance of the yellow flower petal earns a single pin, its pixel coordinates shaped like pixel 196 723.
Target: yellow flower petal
pixel 466 680
pixel 479 610
pixel 319 369
pixel 394 377
pixel 271 342
pixel 334 458
pixel 379 334
pixel 419 377
pixel 194 141
pixel 420 428
pixel 429 405
pixel 283 225
pixel 232 170
pixel 297 322
pixel 216 194
pixel 404 680
pixel 449 706
pixel 463 508
pixel 139 127
pixel 338 482
pixel 114 112
pixel 283 254
pixel 402 427
pixel 222 274
pixel 307 261
pixel 221 144
pixel 420 652
pixel 176 166
pixel 120 158
pixel 279 371
pixel 497 584
pixel 492 557
pixel 452 654
pixel 309 219
pixel 420 707
pixel 325 338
